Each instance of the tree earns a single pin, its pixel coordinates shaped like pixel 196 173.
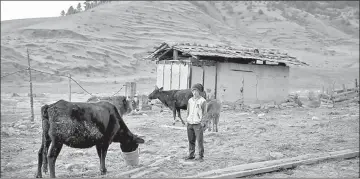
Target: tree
pixel 87 5
pixel 79 7
pixel 62 13
pixel 70 11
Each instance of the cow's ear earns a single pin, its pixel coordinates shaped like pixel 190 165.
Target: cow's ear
pixel 139 140
pixel 161 88
pixel 156 87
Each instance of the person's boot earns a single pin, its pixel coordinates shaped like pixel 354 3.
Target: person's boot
pixel 200 159
pixel 189 158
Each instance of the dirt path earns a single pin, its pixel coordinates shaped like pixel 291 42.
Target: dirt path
pixel 242 138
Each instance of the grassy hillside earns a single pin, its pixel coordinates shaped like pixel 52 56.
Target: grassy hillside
pixel 108 41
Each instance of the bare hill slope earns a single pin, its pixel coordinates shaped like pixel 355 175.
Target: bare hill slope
pixel 109 40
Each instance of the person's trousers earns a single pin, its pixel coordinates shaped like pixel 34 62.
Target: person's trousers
pixel 195 133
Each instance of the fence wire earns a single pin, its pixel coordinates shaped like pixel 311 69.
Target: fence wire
pixel 60 76
pixel 14 72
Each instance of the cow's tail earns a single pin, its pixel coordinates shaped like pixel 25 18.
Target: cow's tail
pixel 42 160
pixel 46 140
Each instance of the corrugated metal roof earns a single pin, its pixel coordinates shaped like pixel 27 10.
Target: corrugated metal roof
pixel 210 50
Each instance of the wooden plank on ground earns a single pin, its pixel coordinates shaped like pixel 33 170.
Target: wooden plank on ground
pixel 266 164
pixel 174 127
pixel 286 165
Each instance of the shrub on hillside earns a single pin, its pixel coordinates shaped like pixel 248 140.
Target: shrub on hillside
pixel 260 12
pixel 279 5
pixel 356 14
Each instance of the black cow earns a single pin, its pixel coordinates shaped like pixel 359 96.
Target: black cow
pixel 82 125
pixel 123 105
pixel 174 99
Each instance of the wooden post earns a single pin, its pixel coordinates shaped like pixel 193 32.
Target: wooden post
pixel 31 92
pixel 127 87
pixel 323 90
pixel 175 54
pixel 356 83
pixel 344 88
pixel 70 87
pixel 130 89
pixel 133 89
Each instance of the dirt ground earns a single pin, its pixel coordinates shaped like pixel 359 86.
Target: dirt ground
pixel 243 137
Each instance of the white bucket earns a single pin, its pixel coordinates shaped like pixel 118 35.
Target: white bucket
pixel 132 158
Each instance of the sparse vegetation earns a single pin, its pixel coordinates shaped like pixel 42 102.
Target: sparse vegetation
pixel 356 14
pixel 260 12
pixel 249 7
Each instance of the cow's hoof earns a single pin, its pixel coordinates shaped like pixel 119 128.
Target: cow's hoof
pixel 103 172
pixel 37 175
pixel 173 123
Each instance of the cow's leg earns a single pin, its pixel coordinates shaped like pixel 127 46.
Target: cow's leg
pixel 217 122
pixel 40 158
pixel 209 124
pixel 55 149
pixel 213 123
pixel 174 114
pixel 99 149
pixel 104 149
pixel 46 148
pixel 179 115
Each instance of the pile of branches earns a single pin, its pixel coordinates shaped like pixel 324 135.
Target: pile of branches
pixel 292 101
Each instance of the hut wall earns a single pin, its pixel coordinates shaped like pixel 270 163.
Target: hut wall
pixel 247 83
pixel 172 75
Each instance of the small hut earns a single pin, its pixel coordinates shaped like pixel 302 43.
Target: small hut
pixel 240 75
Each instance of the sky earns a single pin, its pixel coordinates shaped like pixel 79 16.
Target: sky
pixel 21 9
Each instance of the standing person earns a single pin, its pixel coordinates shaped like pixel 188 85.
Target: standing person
pixel 196 109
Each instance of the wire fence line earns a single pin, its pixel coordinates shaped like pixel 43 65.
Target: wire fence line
pixel 14 73
pixel 69 77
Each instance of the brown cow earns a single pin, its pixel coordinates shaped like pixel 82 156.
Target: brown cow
pixel 212 115
pixel 82 125
pixel 174 99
